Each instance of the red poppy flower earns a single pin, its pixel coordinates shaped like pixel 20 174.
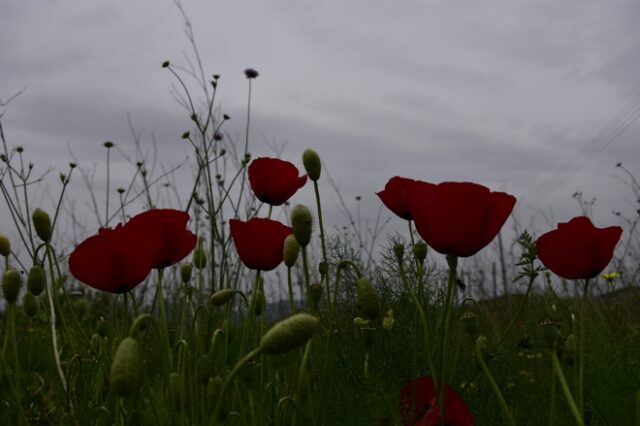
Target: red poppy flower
pixel 460 218
pixel 399 193
pixel 419 407
pixel 274 181
pixel 259 242
pixel 114 260
pixel 577 249
pixel 165 234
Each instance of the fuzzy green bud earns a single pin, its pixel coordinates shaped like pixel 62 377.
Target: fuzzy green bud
pixel 301 223
pixel 289 333
pixel 312 164
pixel 398 250
pixel 315 293
pixel 36 280
pixel 323 268
pixel 11 283
pixel 367 299
pixel 291 250
pixel 199 257
pixel 5 246
pixel 126 377
pixel 420 251
pixel 185 272
pixel 221 297
pixel 42 224
pixel 30 304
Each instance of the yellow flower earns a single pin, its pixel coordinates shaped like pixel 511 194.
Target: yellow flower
pixel 610 276
pixel 388 320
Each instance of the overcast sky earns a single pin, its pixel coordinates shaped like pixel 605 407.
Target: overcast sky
pixel 510 94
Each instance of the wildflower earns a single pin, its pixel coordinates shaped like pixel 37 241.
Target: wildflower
pixel 399 193
pixel 165 233
pixel 577 249
pixel 419 407
pixel 259 242
pixel 274 181
pixel 460 218
pixel 610 277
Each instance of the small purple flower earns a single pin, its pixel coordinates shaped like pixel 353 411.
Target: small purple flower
pixel 251 73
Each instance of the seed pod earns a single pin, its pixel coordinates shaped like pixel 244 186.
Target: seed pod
pixel 5 246
pixel 420 251
pixel 315 294
pixel 323 268
pixel 469 322
pixel 367 299
pixel 30 304
pixel 221 297
pixel 42 224
pixel 126 377
pixel 312 164
pixel 36 280
pixel 289 333
pixel 185 272
pixel 301 223
pixel 291 250
pixel 11 283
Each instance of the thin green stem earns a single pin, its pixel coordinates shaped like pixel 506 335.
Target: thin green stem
pixel 565 388
pixel 290 285
pixel 583 320
pixel 494 386
pixel 518 312
pixel 322 235
pixel 248 322
pixel 446 319
pixel 164 319
pixel 307 278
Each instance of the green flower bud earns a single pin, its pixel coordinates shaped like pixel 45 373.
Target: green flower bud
pixel 323 268
pixel 30 304
pixel 126 377
pixel 301 223
pixel 289 333
pixel 5 246
pixel 199 256
pixel 11 283
pixel 291 250
pixel 36 280
pixel 42 224
pixel 221 297
pixel 398 250
pixel 185 272
pixel 367 299
pixel 315 294
pixel 420 251
pixel 469 322
pixel 312 164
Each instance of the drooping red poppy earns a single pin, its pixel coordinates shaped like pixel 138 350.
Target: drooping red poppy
pixel 399 193
pixel 418 405
pixel 165 234
pixel 577 249
pixel 113 260
pixel 259 242
pixel 460 218
pixel 274 181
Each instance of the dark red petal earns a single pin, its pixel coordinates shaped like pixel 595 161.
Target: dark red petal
pixel 259 242
pixel 401 193
pixel 420 394
pixel 274 181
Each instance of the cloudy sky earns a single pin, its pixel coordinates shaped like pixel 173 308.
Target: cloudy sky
pixel 536 98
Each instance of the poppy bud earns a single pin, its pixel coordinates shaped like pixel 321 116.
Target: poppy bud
pixel 398 250
pixel 312 164
pixel 367 299
pixel 126 377
pixel 176 390
pixel 165 64
pixel 42 224
pixel 301 223
pixel 221 297
pixel 30 304
pixel 11 283
pixel 261 301
pixel 185 272
pixel 5 246
pixel 420 251
pixel 315 293
pixel 199 258
pixel 469 322
pixel 291 250
pixel 36 280
pixel 289 333
pixel 323 268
